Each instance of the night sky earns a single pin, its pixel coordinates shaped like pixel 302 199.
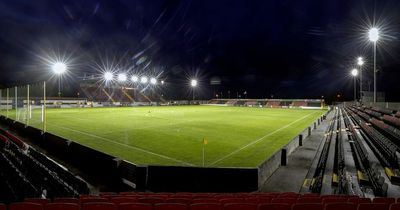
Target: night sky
pixel 279 48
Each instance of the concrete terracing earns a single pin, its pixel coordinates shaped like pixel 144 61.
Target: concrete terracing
pixel 291 178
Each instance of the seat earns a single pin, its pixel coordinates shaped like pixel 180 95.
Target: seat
pixel 62 206
pixel 307 206
pixel 42 201
pixel 307 195
pixel 66 200
pixel 206 206
pixel 265 199
pixel 288 195
pixel 93 200
pixel 25 206
pixel 99 206
pixel 395 206
pixel 230 200
pixel 135 206
pixel 118 200
pixel 170 206
pixel 178 200
pixel 334 200
pixel 152 200
pixel 357 201
pixel 384 200
pixel 274 206
pixel 310 199
pixel 289 201
pixel 341 206
pixel 254 200
pixel 205 200
pixel 3 206
pixel 240 206
pixel 373 206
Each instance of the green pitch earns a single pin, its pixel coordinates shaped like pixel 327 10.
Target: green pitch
pixel 173 135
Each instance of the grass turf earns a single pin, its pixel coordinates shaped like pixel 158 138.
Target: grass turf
pixel 237 136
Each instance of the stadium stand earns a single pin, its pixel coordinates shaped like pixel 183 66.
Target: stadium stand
pixel 27 173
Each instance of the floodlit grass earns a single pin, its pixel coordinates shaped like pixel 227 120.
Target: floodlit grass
pixel 173 135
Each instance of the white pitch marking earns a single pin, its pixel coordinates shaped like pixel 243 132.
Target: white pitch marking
pixel 257 140
pixel 125 145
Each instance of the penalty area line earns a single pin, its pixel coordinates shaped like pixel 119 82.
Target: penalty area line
pixel 258 140
pixel 125 145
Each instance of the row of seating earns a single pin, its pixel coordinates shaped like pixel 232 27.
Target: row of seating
pixel 185 200
pixel 28 173
pixel 201 206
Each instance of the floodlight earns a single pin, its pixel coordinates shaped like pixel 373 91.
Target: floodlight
pixel 108 76
pixel 360 61
pixel 354 72
pixel 59 67
pixel 373 34
pixel 162 82
pixel 134 78
pixel 193 83
pixel 143 79
pixel 153 81
pixel 122 77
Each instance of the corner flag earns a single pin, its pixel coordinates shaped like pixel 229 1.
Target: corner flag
pixel 205 141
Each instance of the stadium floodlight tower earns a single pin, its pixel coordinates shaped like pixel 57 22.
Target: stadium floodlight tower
pixel 354 73
pixel 59 68
pixel 193 83
pixel 360 62
pixel 373 35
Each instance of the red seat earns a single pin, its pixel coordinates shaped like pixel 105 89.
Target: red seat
pixel 231 200
pixel 356 201
pixel 178 200
pixel 135 206
pixel 107 193
pixel 373 206
pixel 170 206
pixel 395 206
pixel 274 206
pixel 240 206
pixel 384 200
pixel 341 206
pixel 62 206
pixel 37 200
pixel 288 195
pixel 99 206
pixel 252 200
pixel 206 206
pixel 307 206
pixel 289 201
pixel 334 200
pixel 205 200
pixel 152 200
pixel 3 206
pixel 128 193
pixel 310 195
pixel 93 200
pixel 66 200
pixel 118 200
pixel 310 199
pixel 265 199
pixel 25 206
